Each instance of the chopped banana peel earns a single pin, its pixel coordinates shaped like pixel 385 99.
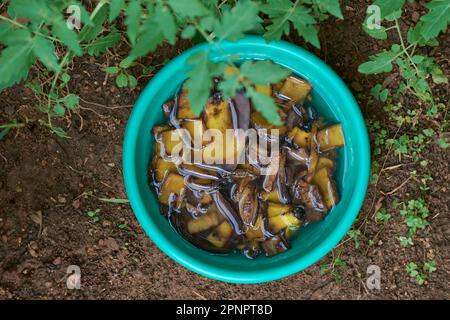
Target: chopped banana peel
pixel 283 221
pixel 163 167
pixel 172 190
pixel 295 89
pixel 220 235
pixel 300 137
pixel 276 209
pixel 222 205
pixel 327 187
pixel 330 138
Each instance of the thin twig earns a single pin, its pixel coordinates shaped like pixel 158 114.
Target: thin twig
pixel 382 168
pixel 396 189
pixel 106 107
pixel 199 295
pixel 93 111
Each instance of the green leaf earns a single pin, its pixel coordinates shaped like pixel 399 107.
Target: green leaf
pixel 126 63
pixel 16 36
pixel 394 15
pixel 11 37
pixel 332 6
pixel 415 36
pixel 67 36
pixel 112 70
pixel 411 267
pixel 122 80
pixel 442 143
pixel 438 75
pixel 45 51
pixel 15 62
pixel 276 30
pixel 101 44
pixel 115 6
pixel 207 22
pixel 405 241
pixel 229 85
pixel 36 10
pixel 148 41
pixel 240 19
pixel 132 81
pixel 166 23
pixel 188 32
pixel 308 32
pixel 389 7
pixel 279 11
pixel 377 33
pixel 380 62
pixel 277 8
pixel 263 72
pixel 65 78
pixel 437 18
pixel 71 101
pixel 188 9
pixel 133 20
pixel 148 69
pixel 429 132
pixel 199 81
pixel 282 12
pixel 123 226
pixel 91 31
pixel 59 132
pixel 59 110
pixel 379 92
pixel 430 266
pixel 265 105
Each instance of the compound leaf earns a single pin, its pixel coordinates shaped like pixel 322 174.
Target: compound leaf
pixel 199 82
pixel 263 72
pixel 437 18
pixel 235 22
pixel 265 105
pixel 101 44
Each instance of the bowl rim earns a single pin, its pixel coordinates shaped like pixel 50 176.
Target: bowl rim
pixel 210 271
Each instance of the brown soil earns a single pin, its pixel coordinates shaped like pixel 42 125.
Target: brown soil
pixel 44 180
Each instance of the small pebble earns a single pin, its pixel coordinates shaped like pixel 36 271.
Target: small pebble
pixel 76 204
pixel 61 199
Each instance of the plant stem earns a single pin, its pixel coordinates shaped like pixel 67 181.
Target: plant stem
pixel 22 26
pixel 402 42
pixel 64 61
pixel 12 125
pixel 405 50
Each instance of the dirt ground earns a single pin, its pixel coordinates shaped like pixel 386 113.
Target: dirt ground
pixel 48 184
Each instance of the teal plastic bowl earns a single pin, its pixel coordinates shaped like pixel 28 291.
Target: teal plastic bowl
pixel 331 98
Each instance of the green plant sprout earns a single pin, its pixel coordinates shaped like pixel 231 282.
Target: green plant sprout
pixel 382 216
pixel 416 213
pixel 334 265
pixel 420 276
pixel 415 69
pixel 94 215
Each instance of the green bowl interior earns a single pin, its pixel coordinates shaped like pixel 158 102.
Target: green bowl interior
pixel 331 99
